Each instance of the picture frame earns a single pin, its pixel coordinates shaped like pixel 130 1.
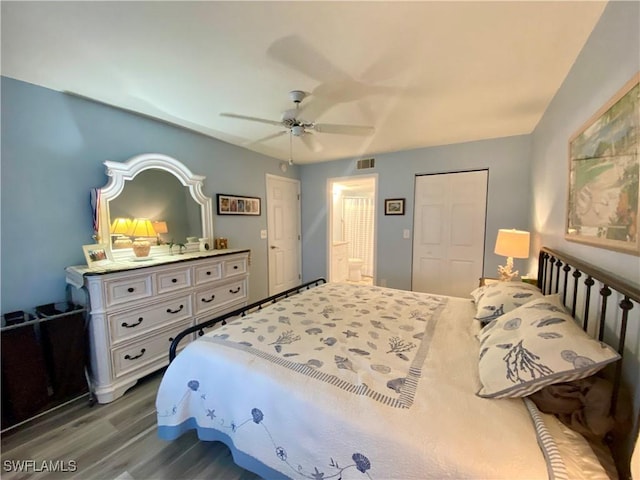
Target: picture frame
pixel 238 205
pixel 97 254
pixel 394 206
pixel 604 160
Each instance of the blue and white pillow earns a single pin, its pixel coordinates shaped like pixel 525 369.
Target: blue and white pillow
pixel 498 298
pixel 536 345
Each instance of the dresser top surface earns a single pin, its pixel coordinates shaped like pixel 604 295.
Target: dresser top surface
pixel 126 265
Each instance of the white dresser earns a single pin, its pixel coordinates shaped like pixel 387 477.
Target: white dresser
pixel 137 309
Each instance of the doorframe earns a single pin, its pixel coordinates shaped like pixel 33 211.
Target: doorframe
pixel 296 181
pixel 330 183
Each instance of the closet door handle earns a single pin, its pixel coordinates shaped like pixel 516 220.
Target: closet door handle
pixel 209 300
pixel 127 325
pixel 175 311
pixel 234 291
pixel 129 357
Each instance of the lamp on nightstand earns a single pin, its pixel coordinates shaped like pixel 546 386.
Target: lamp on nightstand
pixel 160 227
pixel 511 244
pixel 141 227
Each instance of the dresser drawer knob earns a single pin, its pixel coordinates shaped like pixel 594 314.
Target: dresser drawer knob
pixel 131 289
pixel 235 267
pixel 126 325
pixel 170 339
pixel 208 300
pixel 231 290
pixel 175 311
pixel 208 273
pixel 129 357
pixel 174 280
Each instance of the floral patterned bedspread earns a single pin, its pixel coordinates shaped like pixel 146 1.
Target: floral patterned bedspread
pixel 370 342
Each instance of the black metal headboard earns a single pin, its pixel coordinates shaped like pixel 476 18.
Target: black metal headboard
pixel 574 280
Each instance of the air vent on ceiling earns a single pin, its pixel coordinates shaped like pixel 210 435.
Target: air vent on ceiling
pixel 365 163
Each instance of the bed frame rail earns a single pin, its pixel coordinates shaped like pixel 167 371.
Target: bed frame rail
pixel 240 312
pixel 554 270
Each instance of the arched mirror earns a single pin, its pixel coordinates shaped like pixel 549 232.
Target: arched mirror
pixel 162 190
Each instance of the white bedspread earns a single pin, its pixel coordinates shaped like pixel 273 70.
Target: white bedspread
pixel 351 382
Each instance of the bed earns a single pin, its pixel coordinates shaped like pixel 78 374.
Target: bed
pixel 350 382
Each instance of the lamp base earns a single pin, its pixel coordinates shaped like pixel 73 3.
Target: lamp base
pixel 506 273
pixel 122 242
pixel 141 247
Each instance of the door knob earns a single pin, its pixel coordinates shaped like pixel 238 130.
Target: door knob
pixel 273 247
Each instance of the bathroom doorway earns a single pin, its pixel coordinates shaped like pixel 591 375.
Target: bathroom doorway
pixel 352 227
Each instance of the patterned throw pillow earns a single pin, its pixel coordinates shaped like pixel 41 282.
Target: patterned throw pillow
pixel 498 298
pixel 536 345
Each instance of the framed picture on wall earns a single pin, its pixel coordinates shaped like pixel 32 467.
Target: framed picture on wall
pixel 235 205
pixel 604 162
pixel 394 206
pixel 96 254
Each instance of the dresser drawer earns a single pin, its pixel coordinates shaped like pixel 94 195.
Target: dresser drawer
pixel 208 273
pixel 235 266
pixel 134 322
pixel 154 348
pixel 220 296
pixel 127 289
pixel 170 281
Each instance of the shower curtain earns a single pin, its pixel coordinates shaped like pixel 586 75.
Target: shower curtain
pixel 358 215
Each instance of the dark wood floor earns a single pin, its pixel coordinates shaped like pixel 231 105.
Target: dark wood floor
pixel 113 441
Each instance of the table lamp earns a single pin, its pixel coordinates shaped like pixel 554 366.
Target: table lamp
pixel 160 226
pixel 140 228
pixel 511 244
pixel 120 227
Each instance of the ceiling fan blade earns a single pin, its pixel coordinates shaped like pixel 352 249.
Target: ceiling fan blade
pixel 253 119
pixel 310 141
pixel 343 129
pixel 268 137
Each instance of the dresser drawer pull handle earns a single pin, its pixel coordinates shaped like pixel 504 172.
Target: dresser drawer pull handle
pixel 129 357
pixel 210 300
pixel 174 280
pixel 234 291
pixel 208 273
pixel 235 267
pixel 175 311
pixel 131 289
pixel 126 325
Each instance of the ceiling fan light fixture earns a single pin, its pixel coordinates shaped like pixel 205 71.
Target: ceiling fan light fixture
pixel 297 130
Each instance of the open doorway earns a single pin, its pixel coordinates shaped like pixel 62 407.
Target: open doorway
pixel 352 227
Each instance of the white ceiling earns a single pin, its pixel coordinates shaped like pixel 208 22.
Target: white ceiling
pixel 421 73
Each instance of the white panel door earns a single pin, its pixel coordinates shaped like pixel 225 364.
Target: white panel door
pixel 449 231
pixel 283 233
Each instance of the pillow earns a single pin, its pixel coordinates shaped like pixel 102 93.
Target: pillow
pixel 534 346
pixel 499 298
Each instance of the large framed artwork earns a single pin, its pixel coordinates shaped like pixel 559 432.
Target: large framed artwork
pixel 604 163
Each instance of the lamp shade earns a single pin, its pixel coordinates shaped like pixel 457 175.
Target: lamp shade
pixel 120 226
pixel 512 243
pixel 160 226
pixel 141 227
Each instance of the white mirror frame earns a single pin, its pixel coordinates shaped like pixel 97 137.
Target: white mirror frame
pixel 120 172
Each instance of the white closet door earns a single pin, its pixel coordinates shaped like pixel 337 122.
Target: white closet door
pixel 448 232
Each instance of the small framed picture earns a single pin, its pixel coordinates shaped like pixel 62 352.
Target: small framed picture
pixel 96 254
pixel 235 205
pixel 394 206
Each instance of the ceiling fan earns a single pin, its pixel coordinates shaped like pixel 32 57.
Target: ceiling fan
pixel 295 126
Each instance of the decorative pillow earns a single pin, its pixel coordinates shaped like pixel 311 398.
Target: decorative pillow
pixel 536 345
pixel 498 298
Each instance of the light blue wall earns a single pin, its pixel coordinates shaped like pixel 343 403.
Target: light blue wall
pixel 609 59
pixel 507 160
pixel 53 146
